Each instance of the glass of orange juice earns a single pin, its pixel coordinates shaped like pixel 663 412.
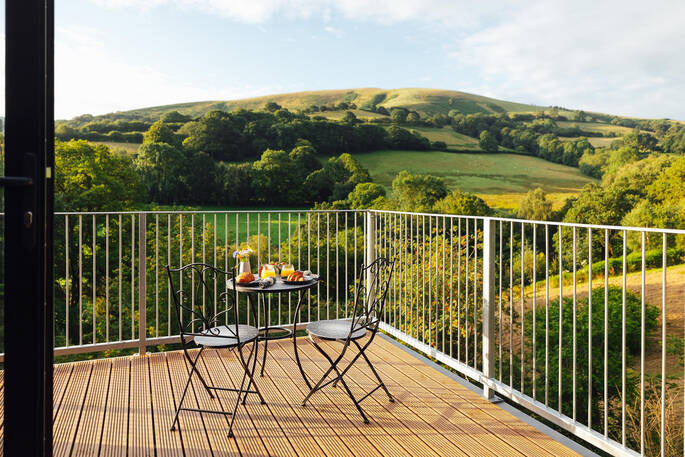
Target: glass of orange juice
pixel 287 269
pixel 267 271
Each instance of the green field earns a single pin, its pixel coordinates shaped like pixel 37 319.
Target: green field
pixel 596 127
pixel 128 148
pixel 454 140
pixel 264 220
pixel 487 174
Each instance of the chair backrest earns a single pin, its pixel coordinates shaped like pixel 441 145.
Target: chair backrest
pixel 203 301
pixel 371 292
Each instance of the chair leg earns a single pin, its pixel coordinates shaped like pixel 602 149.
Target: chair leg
pixel 185 389
pixel 375 373
pixel 255 351
pixel 354 400
pixel 319 384
pixel 250 374
pixel 246 375
pixel 193 367
pixel 235 406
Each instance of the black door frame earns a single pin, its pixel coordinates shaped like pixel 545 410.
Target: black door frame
pixel 29 153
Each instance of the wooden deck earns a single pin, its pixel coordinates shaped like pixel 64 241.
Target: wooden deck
pixel 124 406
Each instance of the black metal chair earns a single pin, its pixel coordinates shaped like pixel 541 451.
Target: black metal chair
pixel 206 330
pixel 371 291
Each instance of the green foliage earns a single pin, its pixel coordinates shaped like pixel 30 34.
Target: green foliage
pixel 275 179
pixel 400 138
pixel 92 178
pixel 615 310
pixel 304 158
pixel 174 117
pixel 463 203
pixel 349 118
pixel 488 141
pixel 535 206
pixel 218 135
pixel 272 107
pixel 159 132
pixel 418 192
pixel 439 145
pixel 160 167
pixel 365 195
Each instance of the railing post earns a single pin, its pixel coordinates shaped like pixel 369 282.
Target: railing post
pixel 488 304
pixel 142 284
pixel 370 244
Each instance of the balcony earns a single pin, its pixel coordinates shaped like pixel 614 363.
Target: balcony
pixel 480 296
pixel 115 406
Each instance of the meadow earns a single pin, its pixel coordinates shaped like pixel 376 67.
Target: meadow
pixel 242 224
pixel 489 175
pixel 453 140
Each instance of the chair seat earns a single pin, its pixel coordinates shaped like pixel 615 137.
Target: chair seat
pixel 337 329
pixel 223 336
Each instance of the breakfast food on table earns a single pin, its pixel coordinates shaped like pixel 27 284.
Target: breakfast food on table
pixel 296 276
pixel 287 269
pixel 266 271
pixel 245 277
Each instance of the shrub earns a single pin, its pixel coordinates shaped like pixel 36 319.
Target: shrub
pixel 615 310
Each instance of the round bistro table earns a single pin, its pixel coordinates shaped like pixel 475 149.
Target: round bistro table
pixel 279 287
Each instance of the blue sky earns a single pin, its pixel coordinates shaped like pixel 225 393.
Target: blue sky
pixel 616 57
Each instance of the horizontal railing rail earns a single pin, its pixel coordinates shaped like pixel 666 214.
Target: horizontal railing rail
pixel 580 324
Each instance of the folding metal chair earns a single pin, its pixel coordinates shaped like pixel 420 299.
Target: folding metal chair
pixel 209 290
pixel 371 291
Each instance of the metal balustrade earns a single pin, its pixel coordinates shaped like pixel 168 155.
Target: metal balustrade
pixel 501 301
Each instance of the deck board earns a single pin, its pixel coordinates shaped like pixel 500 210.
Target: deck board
pixel 529 440
pixel 124 406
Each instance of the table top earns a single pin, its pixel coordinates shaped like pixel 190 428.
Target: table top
pixel 278 288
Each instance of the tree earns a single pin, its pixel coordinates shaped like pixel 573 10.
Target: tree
pixel 217 134
pixel 173 117
pixel 399 115
pixel 234 183
pixel 160 132
pixel 275 178
pixel 439 145
pixel 161 168
pixel 304 158
pixel 463 203
pixel 535 206
pixel 349 118
pixel 200 179
pixel 413 117
pixel 92 178
pixel 488 141
pixel 418 192
pixel 272 107
pixel 64 132
pixel 365 194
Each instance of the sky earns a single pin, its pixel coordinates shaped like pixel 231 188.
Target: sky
pixel 618 57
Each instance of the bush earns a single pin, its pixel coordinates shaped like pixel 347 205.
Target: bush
pixel 633 341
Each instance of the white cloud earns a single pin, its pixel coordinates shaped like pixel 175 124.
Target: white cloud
pixel 456 13
pixel 336 32
pixel 88 79
pixel 620 58
pixel 623 57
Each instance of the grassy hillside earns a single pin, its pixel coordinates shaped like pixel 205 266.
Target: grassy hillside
pixel 426 101
pixel 501 179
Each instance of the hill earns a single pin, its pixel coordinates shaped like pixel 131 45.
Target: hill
pixel 424 101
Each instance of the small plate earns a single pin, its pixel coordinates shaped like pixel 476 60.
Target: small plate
pixel 256 282
pixel 307 280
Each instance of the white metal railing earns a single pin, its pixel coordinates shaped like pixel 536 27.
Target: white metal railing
pixel 479 294
pixel 482 295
